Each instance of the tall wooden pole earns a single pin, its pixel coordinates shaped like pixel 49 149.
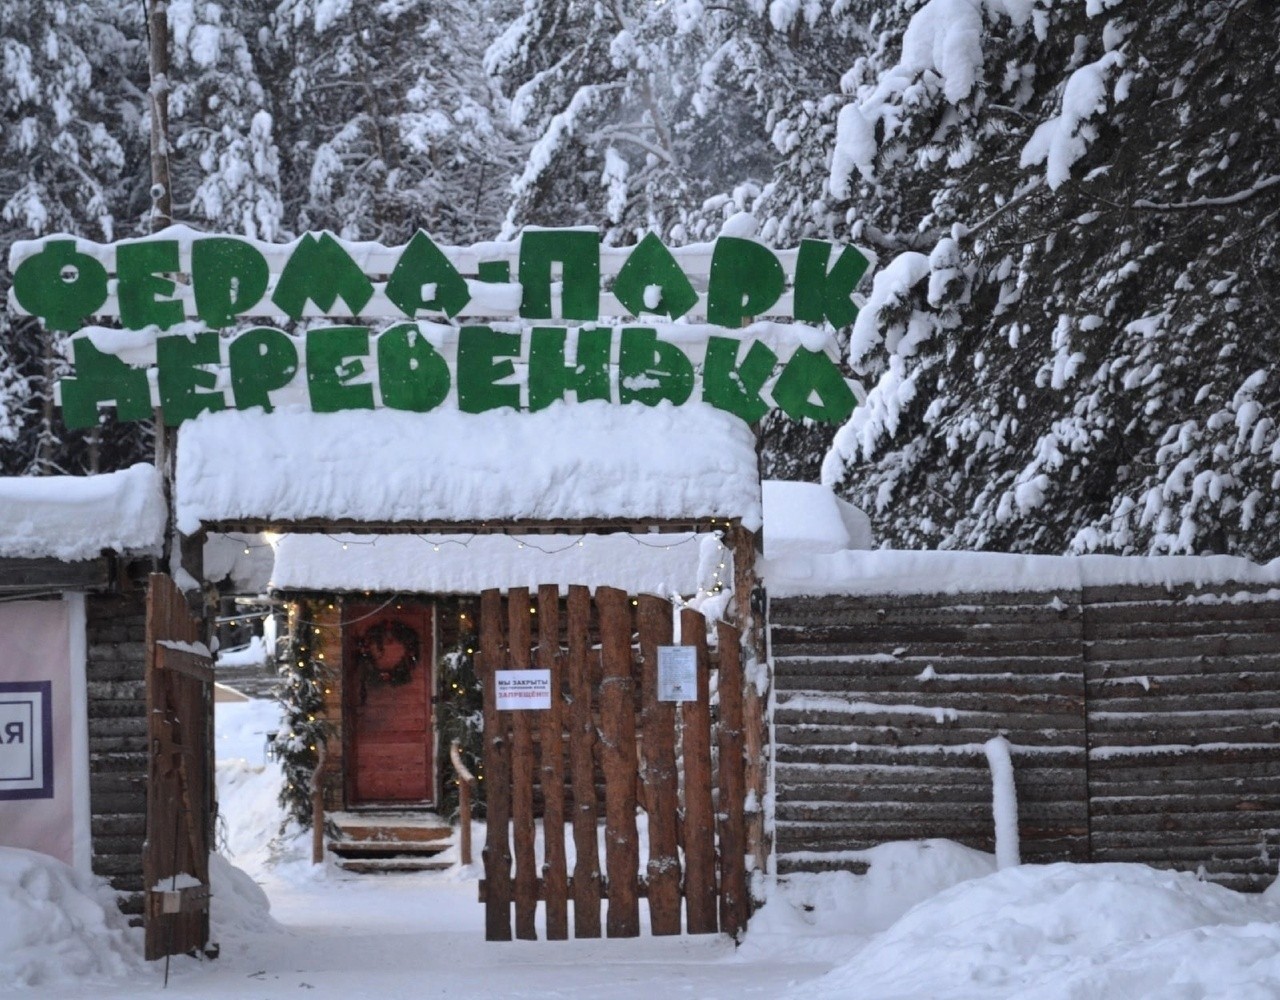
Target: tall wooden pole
pixel 158 97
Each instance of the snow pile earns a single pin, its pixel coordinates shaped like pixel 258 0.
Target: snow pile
pixel 248 802
pixel 252 654
pixel 1071 932
pixel 826 916
pixel 662 564
pixel 239 909
pixel 57 925
pixel 569 461
pixel 886 571
pixel 76 517
pixel 807 517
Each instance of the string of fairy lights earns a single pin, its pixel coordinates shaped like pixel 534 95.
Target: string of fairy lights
pixel 715 586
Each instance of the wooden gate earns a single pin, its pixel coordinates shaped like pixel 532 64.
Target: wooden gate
pixel 180 792
pixel 606 721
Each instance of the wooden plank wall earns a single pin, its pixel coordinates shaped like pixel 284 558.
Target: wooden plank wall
pixel 883 709
pixel 116 649
pixel 1184 730
pixel 1145 725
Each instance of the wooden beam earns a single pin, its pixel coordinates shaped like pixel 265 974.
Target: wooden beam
pixel 592 526
pixel 17 575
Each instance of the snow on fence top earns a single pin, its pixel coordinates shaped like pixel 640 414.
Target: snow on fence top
pixel 567 462
pixel 72 518
pixel 887 572
pixel 810 518
pixel 467 564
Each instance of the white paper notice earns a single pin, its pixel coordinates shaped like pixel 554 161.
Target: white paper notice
pixel 522 690
pixel 677 673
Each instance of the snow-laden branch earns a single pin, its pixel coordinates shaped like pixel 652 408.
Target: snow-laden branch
pixel 1226 199
pixel 623 135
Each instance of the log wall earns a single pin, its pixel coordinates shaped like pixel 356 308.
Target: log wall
pixel 116 674
pixel 1144 723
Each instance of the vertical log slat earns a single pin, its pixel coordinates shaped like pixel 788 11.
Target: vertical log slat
pixel 618 759
pixel 699 818
pixel 755 731
pixel 733 882
pixel 522 771
pixel 658 771
pixel 582 741
pixel 497 766
pixel 555 873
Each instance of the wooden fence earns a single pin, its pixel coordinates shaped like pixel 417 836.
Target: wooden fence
pixel 1145 725
pixel 605 713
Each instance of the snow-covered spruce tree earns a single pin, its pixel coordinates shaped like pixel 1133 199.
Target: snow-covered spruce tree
pixel 388 120
pixel 620 102
pixel 72 78
pixel 1072 337
pixel 225 165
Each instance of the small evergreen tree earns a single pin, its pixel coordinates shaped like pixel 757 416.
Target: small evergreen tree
pixel 305 729
pixel 461 717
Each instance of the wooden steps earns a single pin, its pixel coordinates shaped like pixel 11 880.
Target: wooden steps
pixel 390 841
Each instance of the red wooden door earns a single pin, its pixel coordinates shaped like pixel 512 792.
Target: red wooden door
pixel 387 654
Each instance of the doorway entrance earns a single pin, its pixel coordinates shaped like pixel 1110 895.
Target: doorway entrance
pixel 388 657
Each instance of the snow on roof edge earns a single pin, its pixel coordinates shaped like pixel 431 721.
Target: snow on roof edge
pixel 571 461
pixel 889 572
pixel 74 518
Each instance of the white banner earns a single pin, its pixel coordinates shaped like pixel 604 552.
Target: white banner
pixel 43 780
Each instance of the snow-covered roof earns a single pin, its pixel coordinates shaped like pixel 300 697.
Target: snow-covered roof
pixel 72 518
pixel 883 571
pixel 660 564
pixel 567 462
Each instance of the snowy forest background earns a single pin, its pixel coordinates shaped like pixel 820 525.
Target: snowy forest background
pixel 1070 342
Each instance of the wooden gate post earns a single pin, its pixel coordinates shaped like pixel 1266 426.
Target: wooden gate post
pixel 555 871
pixel 744 545
pixel 658 771
pixel 734 904
pixel 618 759
pixel 497 767
pixel 582 744
pixel 522 771
pixel 699 814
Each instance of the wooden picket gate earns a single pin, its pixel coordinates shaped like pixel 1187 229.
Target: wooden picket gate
pixel 605 718
pixel 175 860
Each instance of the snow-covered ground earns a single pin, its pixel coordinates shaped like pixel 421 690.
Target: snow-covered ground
pixel 930 921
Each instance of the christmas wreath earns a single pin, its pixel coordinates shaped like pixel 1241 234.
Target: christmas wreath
pixel 388 653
